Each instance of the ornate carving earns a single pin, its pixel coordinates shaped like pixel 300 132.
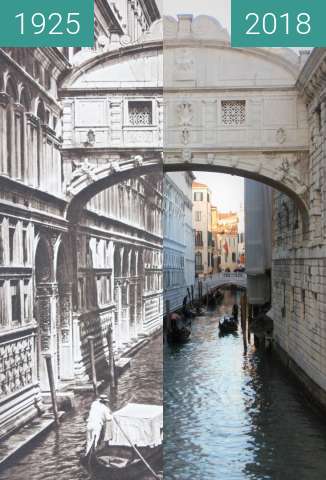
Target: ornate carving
pixel 233 112
pixel 90 138
pixel 186 155
pixel 4 98
pixel 16 365
pixel 185 114
pixel 185 136
pixel 280 135
pixel 83 168
pixel 138 160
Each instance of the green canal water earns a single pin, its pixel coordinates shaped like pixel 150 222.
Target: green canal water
pixel 230 416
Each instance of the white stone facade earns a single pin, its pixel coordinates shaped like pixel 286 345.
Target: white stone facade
pixel 178 244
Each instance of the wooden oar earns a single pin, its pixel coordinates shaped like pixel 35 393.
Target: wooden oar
pixel 136 450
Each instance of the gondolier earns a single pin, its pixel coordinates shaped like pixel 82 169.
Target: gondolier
pixel 99 420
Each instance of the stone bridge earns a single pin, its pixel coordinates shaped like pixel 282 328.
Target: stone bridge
pixel 238 279
pixel 227 110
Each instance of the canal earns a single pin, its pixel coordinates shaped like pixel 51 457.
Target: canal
pixel 231 416
pixel 56 455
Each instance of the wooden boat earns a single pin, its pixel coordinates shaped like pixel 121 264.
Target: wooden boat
pixel 179 330
pixel 135 425
pixel 228 324
pixel 122 463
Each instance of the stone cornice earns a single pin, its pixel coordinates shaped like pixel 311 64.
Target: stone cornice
pixel 4 99
pixel 312 79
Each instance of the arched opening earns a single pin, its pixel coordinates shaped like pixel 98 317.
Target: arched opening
pixel 10 128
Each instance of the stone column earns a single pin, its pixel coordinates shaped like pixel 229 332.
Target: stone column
pixel 19 134
pixel 65 332
pixel 117 296
pixel 46 299
pixel 4 101
pixel 31 164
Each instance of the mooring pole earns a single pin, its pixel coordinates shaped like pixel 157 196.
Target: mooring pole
pixel 192 295
pixel 249 321
pixel 92 359
pixel 109 337
pixel 168 317
pixel 244 322
pixel 49 368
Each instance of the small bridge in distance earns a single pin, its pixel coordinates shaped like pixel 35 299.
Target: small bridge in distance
pixel 238 279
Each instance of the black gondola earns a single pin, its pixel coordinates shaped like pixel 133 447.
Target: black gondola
pixel 179 330
pixel 228 324
pixel 122 463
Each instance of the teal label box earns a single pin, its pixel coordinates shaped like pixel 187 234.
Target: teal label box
pixel 278 23
pixel 47 23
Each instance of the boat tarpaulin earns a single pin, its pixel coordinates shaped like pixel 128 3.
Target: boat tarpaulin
pixel 142 423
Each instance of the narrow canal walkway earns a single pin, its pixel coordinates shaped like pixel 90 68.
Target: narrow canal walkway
pixel 230 416
pixel 55 456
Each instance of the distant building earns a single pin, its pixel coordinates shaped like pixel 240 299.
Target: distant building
pixel 227 241
pixel 202 223
pixel 179 247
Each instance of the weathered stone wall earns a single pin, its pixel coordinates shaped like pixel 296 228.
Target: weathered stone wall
pixel 299 257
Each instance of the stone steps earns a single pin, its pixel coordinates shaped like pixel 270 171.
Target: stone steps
pixel 24 437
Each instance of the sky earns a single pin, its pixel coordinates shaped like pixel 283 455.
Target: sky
pixel 221 9
pixel 227 190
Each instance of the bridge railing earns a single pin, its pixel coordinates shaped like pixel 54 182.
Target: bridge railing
pixel 219 279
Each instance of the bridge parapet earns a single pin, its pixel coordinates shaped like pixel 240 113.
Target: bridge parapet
pixel 238 279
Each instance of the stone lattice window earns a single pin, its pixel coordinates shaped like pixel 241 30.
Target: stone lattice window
pixel 233 112
pixel 140 113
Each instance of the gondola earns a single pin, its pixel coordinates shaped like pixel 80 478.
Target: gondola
pixel 137 429
pixel 179 330
pixel 122 463
pixel 228 324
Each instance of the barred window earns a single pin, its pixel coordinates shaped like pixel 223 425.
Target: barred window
pixel 140 113
pixel 233 112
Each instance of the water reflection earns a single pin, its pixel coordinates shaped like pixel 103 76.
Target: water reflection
pixel 56 455
pixel 234 416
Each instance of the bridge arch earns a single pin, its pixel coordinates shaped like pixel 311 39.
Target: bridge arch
pixel 218 118
pixel 92 180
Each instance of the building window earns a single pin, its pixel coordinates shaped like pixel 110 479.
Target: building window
pixel 233 112
pixel 198 216
pixel 15 302
pixel 199 239
pixel 198 259
pixel 140 113
pixel 234 258
pixel 11 242
pixel 47 79
pixel 198 196
pixel 25 246
pixel 26 301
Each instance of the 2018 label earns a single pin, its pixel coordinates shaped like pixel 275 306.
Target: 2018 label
pixel 270 22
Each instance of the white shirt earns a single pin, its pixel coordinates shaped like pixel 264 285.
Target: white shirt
pixel 99 414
